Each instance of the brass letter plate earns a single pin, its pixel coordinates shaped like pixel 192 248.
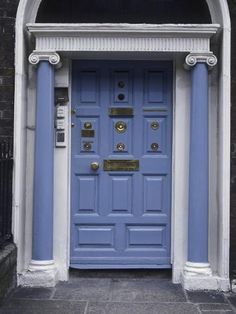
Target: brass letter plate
pixel 114 112
pixel 87 133
pixel 120 165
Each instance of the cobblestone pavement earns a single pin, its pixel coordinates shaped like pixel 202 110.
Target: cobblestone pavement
pixel 117 292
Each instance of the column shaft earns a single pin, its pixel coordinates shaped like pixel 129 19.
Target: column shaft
pixel 43 169
pixel 198 176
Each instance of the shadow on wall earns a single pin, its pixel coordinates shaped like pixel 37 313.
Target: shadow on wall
pixel 124 11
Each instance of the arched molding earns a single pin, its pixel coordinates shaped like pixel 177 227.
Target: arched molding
pixel 27 12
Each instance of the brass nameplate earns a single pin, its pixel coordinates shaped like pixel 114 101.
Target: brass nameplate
pixel 121 165
pixel 87 133
pixel 113 112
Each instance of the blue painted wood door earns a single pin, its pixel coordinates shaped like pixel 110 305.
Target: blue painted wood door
pixel 121 219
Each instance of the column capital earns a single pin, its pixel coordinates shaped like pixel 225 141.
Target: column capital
pixel 51 56
pixel 193 58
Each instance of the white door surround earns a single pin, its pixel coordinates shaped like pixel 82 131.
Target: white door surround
pixel 172 42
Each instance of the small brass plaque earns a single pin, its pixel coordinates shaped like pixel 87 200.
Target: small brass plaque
pixel 121 165
pixel 114 112
pixel 87 133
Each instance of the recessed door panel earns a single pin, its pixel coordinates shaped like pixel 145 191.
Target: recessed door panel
pixel 122 89
pixel 154 194
pixel 121 194
pixel 95 236
pixel 154 86
pixel 122 136
pixel 89 87
pixel 121 164
pixel 146 236
pixel 87 193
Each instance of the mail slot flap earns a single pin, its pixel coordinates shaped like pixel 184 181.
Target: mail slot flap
pixel 120 165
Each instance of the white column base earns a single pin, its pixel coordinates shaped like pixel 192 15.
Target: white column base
pixel 196 269
pixel 198 276
pixel 39 274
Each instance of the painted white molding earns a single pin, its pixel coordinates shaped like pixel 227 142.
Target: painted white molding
pixel 50 56
pixel 41 265
pixel 123 37
pixel 193 58
pixel 27 12
pixel 196 269
pixel 206 30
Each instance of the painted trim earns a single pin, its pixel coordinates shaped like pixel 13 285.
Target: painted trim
pixel 193 58
pixel 27 11
pixel 50 29
pixel 122 37
pixel 41 265
pixel 198 213
pixel 196 269
pixel 43 198
pixel 52 57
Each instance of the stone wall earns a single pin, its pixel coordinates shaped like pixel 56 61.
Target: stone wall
pixel 7 270
pixel 7 24
pixel 232 6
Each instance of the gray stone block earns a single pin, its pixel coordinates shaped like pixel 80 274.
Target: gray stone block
pixel 84 289
pixel 19 306
pixel 206 297
pixel 218 312
pixel 146 290
pixel 215 307
pixel 33 293
pixel 7 270
pixel 232 300
pixel 142 308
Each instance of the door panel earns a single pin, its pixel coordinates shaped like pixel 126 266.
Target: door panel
pixel 121 216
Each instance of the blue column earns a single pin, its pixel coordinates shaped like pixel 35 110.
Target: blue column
pixel 198 176
pixel 43 169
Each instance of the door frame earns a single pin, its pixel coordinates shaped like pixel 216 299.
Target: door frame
pixel 179 199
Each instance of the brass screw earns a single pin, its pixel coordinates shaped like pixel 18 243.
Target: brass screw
pixel 88 125
pixel 155 125
pixel 154 146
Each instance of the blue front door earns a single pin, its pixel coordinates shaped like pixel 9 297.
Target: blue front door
pixel 121 164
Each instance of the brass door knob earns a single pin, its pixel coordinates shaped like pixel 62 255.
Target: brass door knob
pixel 94 165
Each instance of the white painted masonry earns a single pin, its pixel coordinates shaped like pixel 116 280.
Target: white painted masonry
pixel 219 131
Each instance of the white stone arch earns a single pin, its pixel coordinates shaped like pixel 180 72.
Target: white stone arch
pixel 27 12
